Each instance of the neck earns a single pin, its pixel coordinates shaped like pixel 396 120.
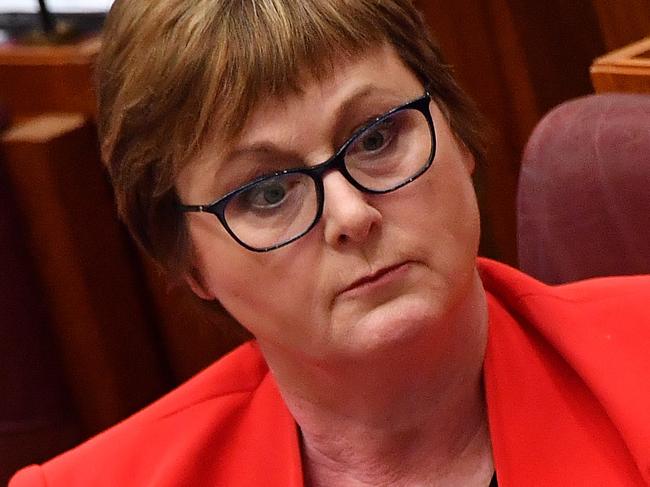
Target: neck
pixel 412 416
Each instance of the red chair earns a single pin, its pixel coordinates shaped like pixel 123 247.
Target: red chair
pixel 583 204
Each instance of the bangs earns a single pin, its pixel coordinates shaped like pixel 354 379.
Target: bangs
pixel 269 48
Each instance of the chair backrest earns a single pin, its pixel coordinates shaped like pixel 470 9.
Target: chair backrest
pixel 583 203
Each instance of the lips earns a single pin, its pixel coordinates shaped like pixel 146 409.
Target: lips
pixel 374 277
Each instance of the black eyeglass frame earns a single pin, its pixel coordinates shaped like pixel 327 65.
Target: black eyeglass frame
pixel 337 161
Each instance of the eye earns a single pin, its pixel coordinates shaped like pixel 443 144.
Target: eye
pixel 266 195
pixel 274 194
pixel 374 139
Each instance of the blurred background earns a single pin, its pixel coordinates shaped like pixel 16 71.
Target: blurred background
pixel 89 329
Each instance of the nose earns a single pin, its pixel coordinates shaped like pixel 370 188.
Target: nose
pixel 347 216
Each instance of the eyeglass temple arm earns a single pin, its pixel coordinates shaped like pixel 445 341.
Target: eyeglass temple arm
pixel 193 208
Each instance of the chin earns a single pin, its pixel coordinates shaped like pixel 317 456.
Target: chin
pixel 397 325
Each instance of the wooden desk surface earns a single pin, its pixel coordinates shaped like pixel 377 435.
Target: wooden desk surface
pixel 624 70
pixel 38 79
pixel 80 52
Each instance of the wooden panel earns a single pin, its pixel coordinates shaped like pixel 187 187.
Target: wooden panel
pixel 103 331
pixel 622 22
pixel 37 418
pixel 560 40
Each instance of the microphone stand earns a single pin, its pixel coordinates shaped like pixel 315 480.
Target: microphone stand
pixel 47 21
pixel 52 31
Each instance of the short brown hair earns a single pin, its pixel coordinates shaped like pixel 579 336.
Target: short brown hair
pixel 171 72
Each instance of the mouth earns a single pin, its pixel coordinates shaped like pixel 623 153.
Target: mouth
pixel 381 276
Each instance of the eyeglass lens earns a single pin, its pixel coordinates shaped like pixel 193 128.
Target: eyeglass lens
pixel 282 207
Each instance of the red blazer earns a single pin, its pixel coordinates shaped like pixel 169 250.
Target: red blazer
pixel 567 384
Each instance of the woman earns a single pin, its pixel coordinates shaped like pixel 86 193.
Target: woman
pixel 307 164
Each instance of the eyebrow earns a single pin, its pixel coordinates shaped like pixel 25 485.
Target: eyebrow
pixel 344 111
pixel 262 148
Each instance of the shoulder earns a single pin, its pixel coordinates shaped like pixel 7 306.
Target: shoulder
pixel 597 328
pixel 163 435
pixel 557 353
pixel 595 321
pixel 612 298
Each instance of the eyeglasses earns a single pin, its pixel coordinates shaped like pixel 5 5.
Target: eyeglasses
pixel 277 209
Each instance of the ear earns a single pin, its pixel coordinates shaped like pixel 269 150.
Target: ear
pixel 470 164
pixel 195 282
pixel 468 159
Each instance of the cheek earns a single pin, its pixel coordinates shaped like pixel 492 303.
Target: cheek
pixel 460 216
pixel 269 294
pixel 446 219
pixel 225 270
pixel 447 203
pixel 455 193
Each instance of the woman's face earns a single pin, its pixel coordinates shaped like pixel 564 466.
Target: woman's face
pixel 377 270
